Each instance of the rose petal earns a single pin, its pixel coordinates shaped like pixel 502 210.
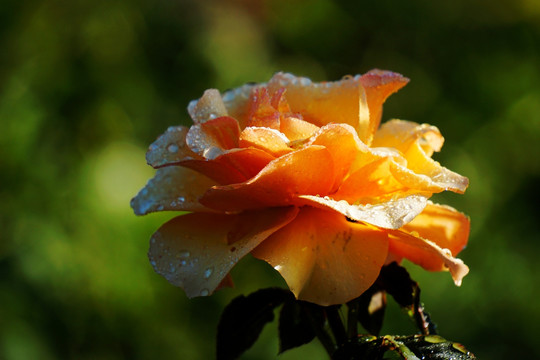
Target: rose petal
pixel 343 143
pixel 324 258
pixel 322 103
pixel 172 188
pixel 170 148
pixel 208 107
pixel 443 225
pixel 379 85
pixel 262 113
pixel 427 254
pixel 391 214
pixel 438 178
pixel 238 102
pixel 296 129
pixel 248 162
pixel 401 134
pixel 211 138
pixel 417 143
pixel 221 172
pixel 307 171
pixel 270 140
pixel 196 251
pixel 372 183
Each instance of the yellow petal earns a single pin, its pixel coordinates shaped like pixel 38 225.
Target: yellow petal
pixel 172 188
pixel 444 225
pixel 324 258
pixel 296 129
pixel 196 251
pixel 270 140
pixel 307 171
pixel 378 86
pixel 417 143
pixel 391 214
pixel 321 103
pixel 343 143
pixel 371 183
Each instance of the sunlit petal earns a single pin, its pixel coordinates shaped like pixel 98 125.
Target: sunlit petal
pixel 417 144
pixel 442 224
pixel 343 143
pixel 306 171
pixel 391 214
pixel 270 140
pixel 378 86
pixel 296 129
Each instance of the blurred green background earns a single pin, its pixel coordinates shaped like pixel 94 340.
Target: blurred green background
pixel 86 86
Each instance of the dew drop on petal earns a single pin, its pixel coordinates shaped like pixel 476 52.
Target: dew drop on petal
pixel 183 254
pixel 172 148
pixel 447 252
pixel 204 292
pixel 208 272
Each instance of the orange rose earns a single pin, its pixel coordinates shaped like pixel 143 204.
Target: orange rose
pixel 300 175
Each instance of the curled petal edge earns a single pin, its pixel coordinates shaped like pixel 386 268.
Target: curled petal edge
pixel 427 254
pixel 391 214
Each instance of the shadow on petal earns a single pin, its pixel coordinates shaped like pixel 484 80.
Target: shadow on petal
pixel 324 258
pixel 196 251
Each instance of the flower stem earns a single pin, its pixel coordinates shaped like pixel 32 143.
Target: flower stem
pixel 352 319
pixel 322 334
pixel 336 325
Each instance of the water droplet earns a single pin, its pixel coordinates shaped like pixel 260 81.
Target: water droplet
pixel 181 199
pixel 447 252
pixel 183 254
pixel 160 208
pixel 144 191
pixel 172 148
pixel 208 272
pixel 153 263
pixel 204 292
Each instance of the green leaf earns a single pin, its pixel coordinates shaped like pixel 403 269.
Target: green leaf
pixel 296 324
pixel 426 347
pixel 244 318
pixel 431 347
pixel 395 280
pixel 371 308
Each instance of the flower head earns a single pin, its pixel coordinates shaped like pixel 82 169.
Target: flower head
pixel 300 174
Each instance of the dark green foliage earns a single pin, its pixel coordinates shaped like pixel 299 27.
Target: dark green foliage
pixel 296 324
pixel 244 318
pixel 426 347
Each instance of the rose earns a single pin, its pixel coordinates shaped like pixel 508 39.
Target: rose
pixel 298 174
